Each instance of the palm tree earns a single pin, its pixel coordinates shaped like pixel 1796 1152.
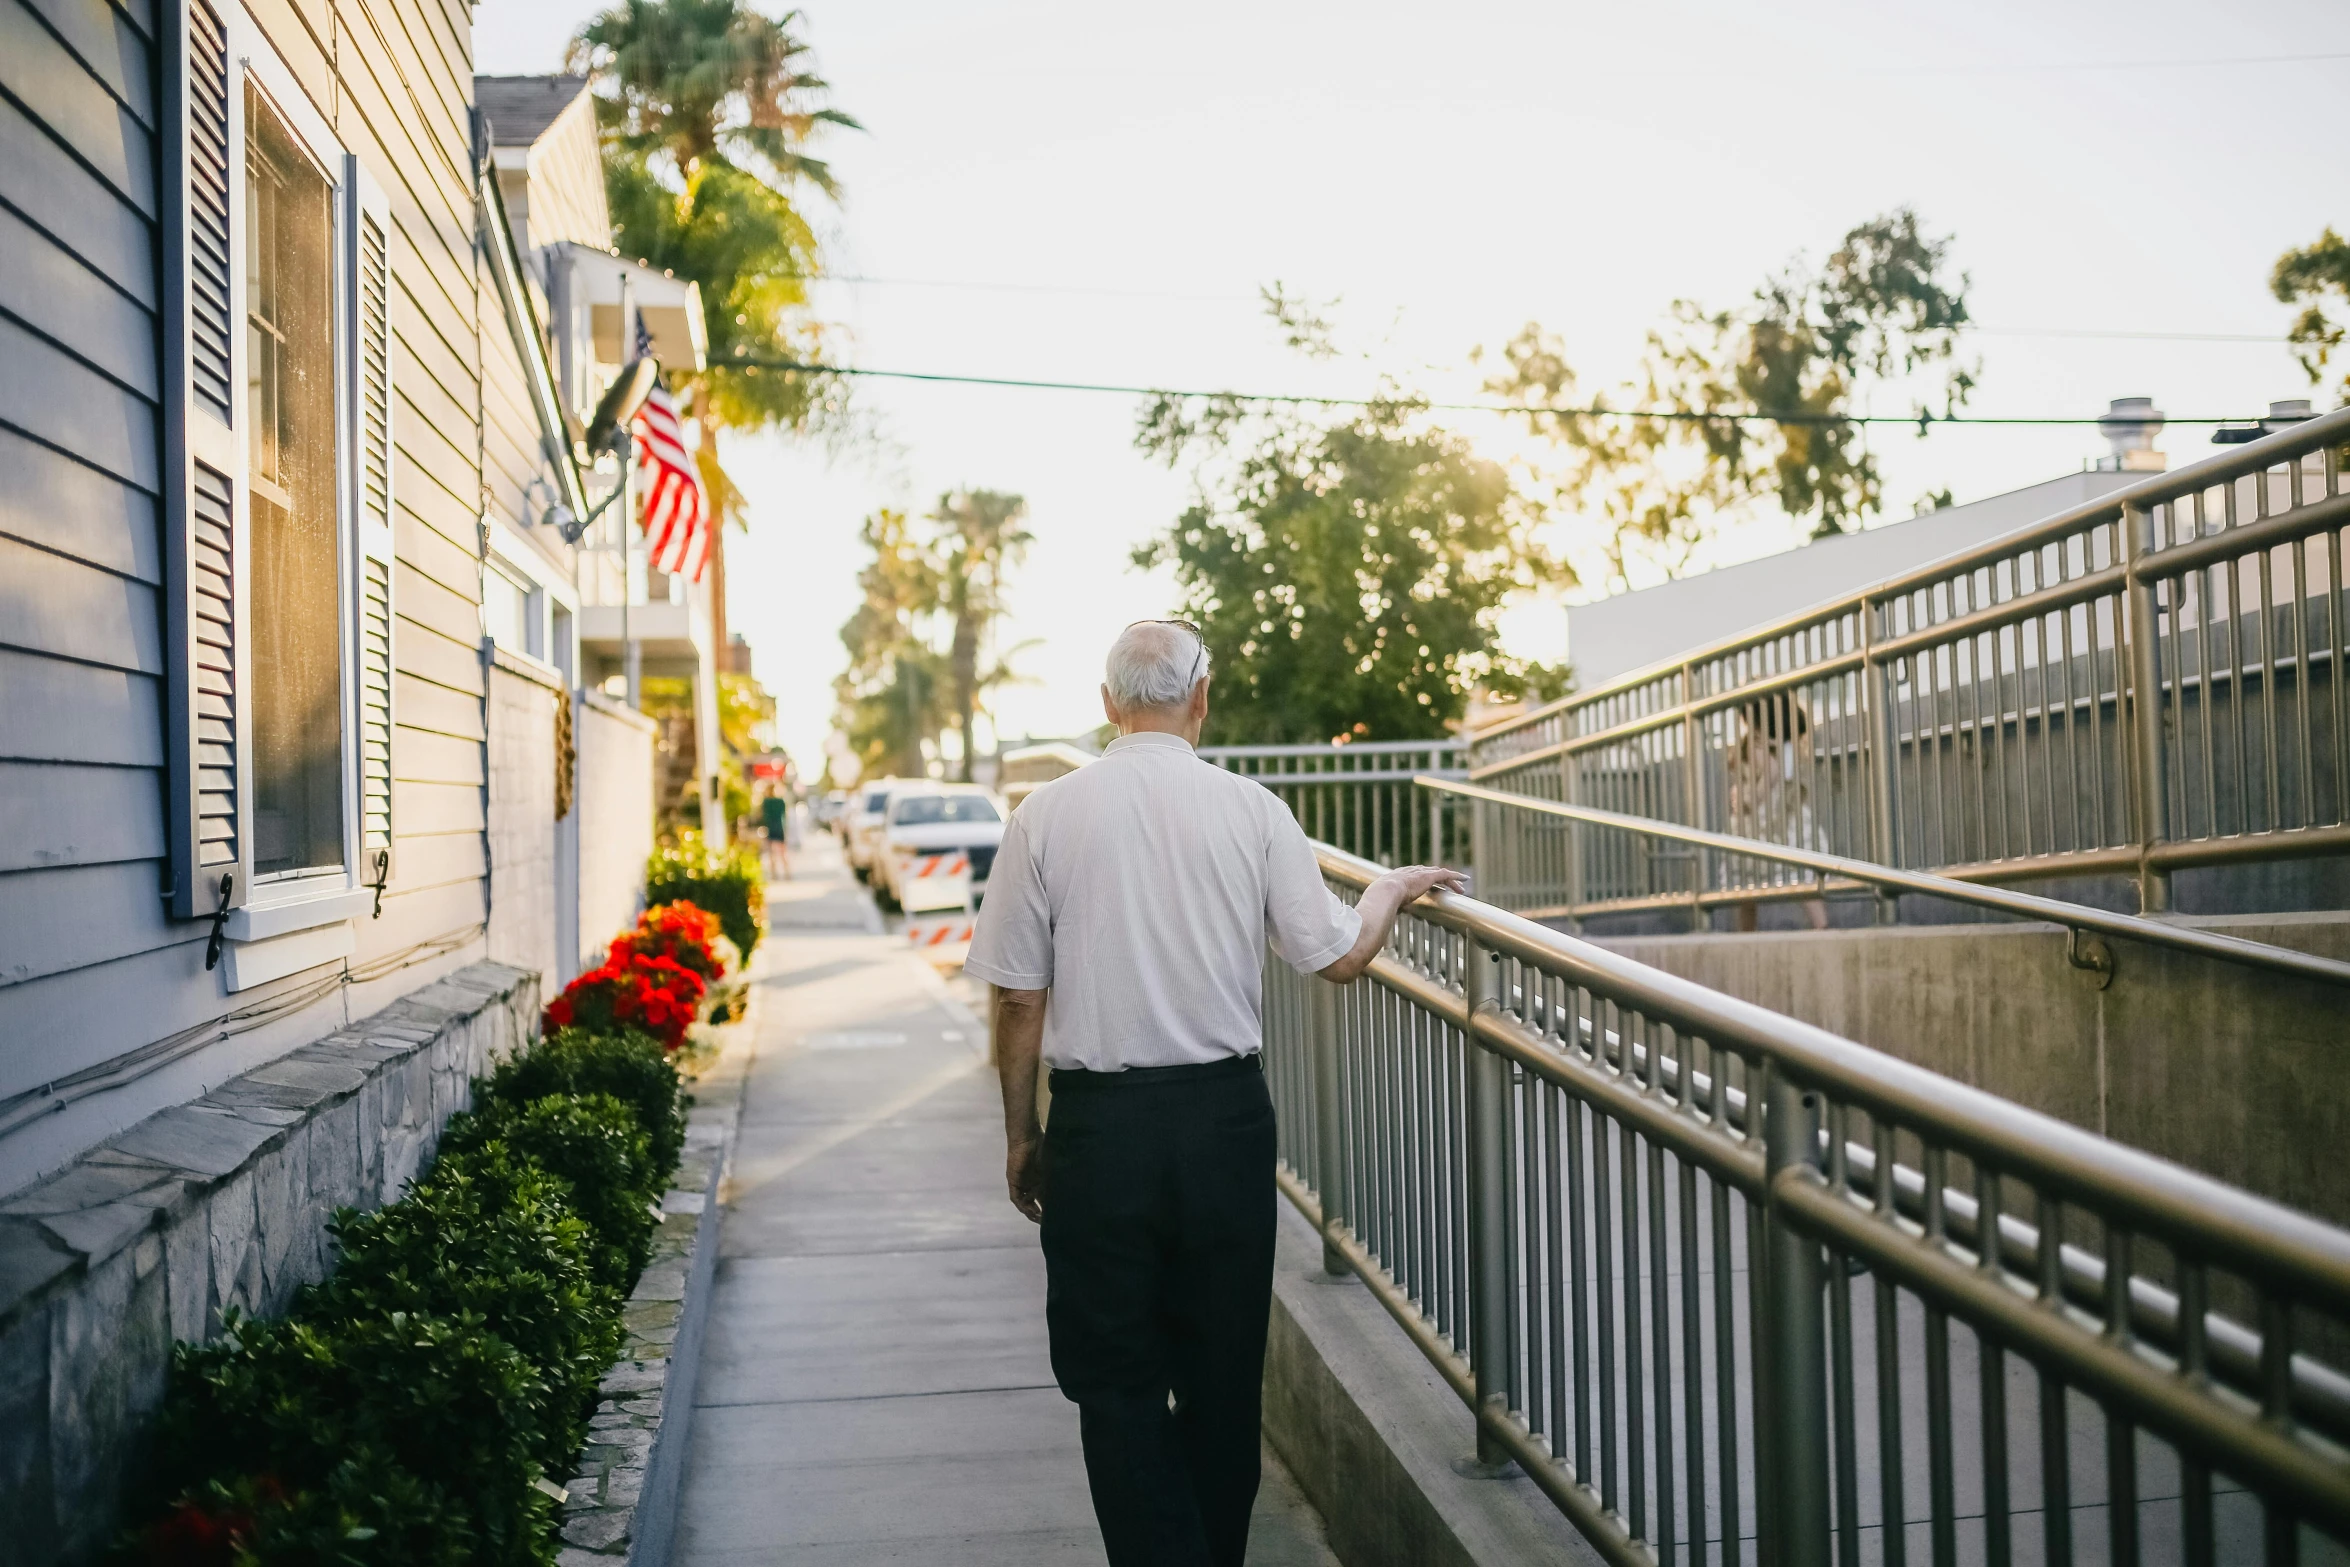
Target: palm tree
pixel 708 108
pixel 980 537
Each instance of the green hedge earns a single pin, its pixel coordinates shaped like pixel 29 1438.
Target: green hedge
pixel 727 883
pixel 420 1405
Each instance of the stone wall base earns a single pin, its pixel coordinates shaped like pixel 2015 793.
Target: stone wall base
pixel 149 1237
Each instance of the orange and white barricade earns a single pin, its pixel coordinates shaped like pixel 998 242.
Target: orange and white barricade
pixel 936 881
pixel 940 935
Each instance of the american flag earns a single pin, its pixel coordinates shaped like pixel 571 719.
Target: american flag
pixel 676 511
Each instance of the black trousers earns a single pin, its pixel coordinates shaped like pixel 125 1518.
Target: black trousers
pixel 1158 1248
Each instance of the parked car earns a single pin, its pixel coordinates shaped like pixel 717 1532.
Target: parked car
pixel 929 819
pixel 861 822
pixel 826 808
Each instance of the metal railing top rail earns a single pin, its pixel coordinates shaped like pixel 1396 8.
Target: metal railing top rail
pixel 2156 489
pixel 2220 1224
pixel 2024 905
pixel 1317 748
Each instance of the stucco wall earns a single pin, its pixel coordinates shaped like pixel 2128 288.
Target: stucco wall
pixel 522 814
pixel 615 818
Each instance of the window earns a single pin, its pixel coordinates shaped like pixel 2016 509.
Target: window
pixel 927 810
pixel 279 613
pixel 505 612
pixel 292 477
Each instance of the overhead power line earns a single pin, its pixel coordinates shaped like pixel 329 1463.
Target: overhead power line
pixel 1313 400
pixel 1092 291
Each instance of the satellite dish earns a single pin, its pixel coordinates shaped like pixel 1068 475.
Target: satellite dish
pixel 628 393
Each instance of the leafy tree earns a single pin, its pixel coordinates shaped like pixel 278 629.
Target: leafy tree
pixel 981 535
pixel 1883 307
pixel 2310 277
pixel 1347 578
pixel 892 693
pixel 709 108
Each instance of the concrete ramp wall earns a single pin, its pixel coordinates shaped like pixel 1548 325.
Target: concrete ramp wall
pixel 2230 1070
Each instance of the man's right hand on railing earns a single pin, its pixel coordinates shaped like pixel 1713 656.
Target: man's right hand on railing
pixel 1379 905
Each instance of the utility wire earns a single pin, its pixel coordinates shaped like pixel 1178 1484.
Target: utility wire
pixel 1090 291
pixel 1302 399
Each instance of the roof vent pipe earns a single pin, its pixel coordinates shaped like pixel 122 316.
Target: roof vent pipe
pixel 2130 425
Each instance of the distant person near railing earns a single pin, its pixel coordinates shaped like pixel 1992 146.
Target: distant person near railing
pixel 1125 930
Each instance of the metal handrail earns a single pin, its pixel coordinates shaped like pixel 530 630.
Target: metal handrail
pixel 1432 1159
pixel 2024 905
pixel 2156 489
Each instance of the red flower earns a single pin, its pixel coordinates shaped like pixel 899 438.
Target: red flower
pixel 634 990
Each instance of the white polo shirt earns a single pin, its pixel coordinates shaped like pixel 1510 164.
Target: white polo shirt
pixel 1141 890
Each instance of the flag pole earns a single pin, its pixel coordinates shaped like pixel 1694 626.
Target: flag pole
pixel 631 655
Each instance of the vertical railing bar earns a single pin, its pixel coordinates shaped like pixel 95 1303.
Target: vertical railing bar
pixel 1562 1339
pixel 1636 1423
pixel 2299 560
pixel 1603 1255
pixel 2194 1474
pixel 1660 1316
pixel 1991 1362
pixel 1941 1488
pixel 2121 1442
pixel 1892 1510
pixel 2339 656
pixel 2270 761
pixel 2236 650
pixel 1725 1356
pixel 1581 1338
pixel 1692 1340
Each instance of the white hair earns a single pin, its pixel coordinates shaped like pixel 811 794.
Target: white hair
pixel 1154 664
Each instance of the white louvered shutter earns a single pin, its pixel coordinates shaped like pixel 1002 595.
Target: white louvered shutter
pixel 207 653
pixel 370 293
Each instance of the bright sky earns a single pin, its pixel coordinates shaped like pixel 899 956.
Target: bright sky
pixel 1078 191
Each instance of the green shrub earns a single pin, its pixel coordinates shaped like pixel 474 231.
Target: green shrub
pixel 490 1237
pixel 727 883
pixel 589 1142
pixel 410 1408
pixel 630 1066
pixel 364 1417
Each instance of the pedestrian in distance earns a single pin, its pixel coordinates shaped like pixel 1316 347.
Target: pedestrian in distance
pixel 775 816
pixel 1124 930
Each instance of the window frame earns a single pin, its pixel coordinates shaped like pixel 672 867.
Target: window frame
pixel 289 901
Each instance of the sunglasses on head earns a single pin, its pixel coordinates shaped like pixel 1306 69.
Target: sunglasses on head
pixel 1199 639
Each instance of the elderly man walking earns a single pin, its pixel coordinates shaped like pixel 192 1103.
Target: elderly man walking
pixel 1125 927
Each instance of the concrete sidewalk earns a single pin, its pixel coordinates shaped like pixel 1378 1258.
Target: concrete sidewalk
pixel 876 1386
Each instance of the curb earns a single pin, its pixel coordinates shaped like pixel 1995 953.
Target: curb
pixel 622 1504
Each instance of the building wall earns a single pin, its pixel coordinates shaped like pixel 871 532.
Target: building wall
pixel 82 674
pixel 523 698
pixel 615 810
pixel 215 1204
pixel 1615 636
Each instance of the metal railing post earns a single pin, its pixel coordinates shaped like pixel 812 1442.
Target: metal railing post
pixel 1570 790
pixel 2146 774
pixel 1489 1238
pixel 1329 1153
pixel 1793 1432
pixel 1876 694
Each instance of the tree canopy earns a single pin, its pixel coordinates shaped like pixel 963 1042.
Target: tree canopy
pixel 1347 578
pixel 2310 277
pixel 709 110
pixel 1883 308
pixel 943 579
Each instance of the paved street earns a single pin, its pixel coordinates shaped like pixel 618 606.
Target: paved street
pixel 876 1387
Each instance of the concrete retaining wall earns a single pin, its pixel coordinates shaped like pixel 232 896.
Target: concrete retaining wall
pixel 1378 1441
pixel 2230 1070
pixel 151 1235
